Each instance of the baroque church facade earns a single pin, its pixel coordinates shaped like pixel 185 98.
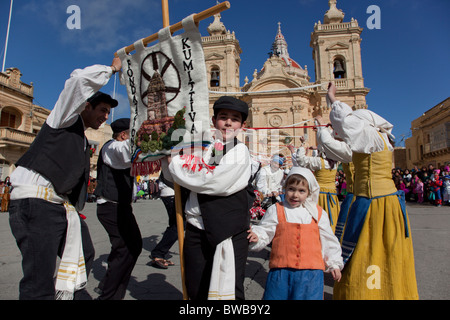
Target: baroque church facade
pixel 274 94
pixel 278 104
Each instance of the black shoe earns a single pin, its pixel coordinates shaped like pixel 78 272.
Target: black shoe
pixel 98 290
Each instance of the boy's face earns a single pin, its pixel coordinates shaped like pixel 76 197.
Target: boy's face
pixel 228 122
pixel 296 194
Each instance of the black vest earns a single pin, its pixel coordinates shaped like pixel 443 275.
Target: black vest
pixel 113 184
pixel 226 216
pixel 60 156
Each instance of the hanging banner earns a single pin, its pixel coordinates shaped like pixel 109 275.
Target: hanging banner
pixel 168 94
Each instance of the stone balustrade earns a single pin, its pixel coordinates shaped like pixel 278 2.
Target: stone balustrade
pixel 13 137
pixel 23 87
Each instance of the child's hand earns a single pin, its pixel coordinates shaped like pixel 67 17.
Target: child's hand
pixel 336 273
pixel 252 237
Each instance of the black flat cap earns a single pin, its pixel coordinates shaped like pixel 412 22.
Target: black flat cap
pixel 231 103
pixel 120 125
pixel 99 96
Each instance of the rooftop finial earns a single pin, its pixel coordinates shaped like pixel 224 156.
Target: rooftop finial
pixel 216 27
pixel 334 15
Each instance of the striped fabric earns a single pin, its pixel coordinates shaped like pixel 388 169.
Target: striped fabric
pixel 72 270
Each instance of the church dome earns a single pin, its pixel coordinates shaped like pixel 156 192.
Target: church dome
pixel 279 48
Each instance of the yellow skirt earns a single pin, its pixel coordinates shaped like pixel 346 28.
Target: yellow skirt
pixel 382 264
pixel 330 203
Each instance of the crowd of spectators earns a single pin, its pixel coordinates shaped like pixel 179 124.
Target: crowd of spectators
pixel 341 184
pixel 425 185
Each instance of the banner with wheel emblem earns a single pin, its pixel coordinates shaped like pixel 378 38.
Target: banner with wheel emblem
pixel 168 94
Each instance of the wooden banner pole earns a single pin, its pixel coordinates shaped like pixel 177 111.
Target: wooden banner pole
pixel 178 26
pixel 178 204
pixel 180 229
pixel 177 190
pixel 165 13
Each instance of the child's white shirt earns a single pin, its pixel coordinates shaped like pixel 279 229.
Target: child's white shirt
pixel 265 230
pixel 269 180
pixel 231 176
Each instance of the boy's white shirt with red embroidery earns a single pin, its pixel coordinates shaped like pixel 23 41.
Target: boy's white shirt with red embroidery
pixel 230 176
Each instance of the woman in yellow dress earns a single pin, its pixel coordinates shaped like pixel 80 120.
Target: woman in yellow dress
pixel 337 150
pixel 6 195
pixel 376 243
pixel 325 170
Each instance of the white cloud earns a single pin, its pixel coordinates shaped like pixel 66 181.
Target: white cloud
pixel 106 25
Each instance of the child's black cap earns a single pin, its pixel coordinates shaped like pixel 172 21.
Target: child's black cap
pixel 231 103
pixel 120 125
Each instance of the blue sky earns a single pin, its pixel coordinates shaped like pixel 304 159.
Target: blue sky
pixel 405 63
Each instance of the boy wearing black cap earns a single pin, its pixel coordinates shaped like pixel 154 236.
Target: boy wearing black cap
pixel 50 188
pixel 114 211
pixel 217 209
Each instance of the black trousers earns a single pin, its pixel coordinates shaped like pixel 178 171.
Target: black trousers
pixel 170 235
pixel 39 228
pixel 126 246
pixel 198 260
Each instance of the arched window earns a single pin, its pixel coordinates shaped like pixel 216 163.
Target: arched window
pixel 10 118
pixel 215 77
pixel 339 68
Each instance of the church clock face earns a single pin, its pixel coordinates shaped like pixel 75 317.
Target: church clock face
pixel 158 61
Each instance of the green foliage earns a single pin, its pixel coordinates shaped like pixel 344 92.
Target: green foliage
pixel 154 142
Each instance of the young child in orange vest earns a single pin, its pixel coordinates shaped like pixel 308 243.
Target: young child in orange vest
pixel 303 244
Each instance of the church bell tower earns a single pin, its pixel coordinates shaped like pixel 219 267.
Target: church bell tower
pixel 337 57
pixel 222 57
